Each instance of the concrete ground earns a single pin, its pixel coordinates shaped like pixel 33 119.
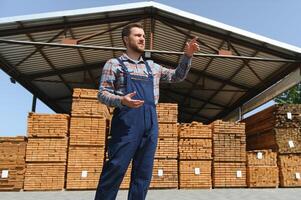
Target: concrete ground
pixel 213 194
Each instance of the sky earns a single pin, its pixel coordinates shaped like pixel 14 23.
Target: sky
pixel 276 19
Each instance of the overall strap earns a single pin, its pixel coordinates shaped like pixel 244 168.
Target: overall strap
pixel 123 65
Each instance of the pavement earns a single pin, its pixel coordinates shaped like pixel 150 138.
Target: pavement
pixel 198 194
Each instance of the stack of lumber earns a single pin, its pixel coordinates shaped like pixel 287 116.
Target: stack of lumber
pixel 262 169
pixel 277 128
pixel 167 112
pixel 46 151
pixel 167 147
pixel 85 103
pixel 229 154
pixel 12 163
pixel 165 174
pixel 88 131
pixel 195 154
pixel 290 170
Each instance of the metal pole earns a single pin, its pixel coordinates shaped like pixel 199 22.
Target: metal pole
pixel 152 51
pixel 34 103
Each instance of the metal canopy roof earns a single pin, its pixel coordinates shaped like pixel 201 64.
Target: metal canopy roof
pixel 32 53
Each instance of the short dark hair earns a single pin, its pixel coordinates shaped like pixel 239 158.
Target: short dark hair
pixel 127 30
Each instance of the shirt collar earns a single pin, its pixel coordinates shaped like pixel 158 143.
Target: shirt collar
pixel 125 57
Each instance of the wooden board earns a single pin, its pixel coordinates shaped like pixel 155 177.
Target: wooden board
pixel 47 150
pixel 44 176
pixel 165 174
pixel 167 148
pixel 12 163
pixel 229 174
pixel 195 148
pixel 88 131
pixel 167 112
pixel 290 170
pixel 195 130
pixel 47 125
pixel 229 141
pixel 168 130
pixel 84 166
pixel 195 174
pixel 261 158
pixel 262 176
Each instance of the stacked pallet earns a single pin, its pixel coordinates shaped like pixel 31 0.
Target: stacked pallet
pixel 262 169
pixel 167 147
pixel 46 151
pixel 290 170
pixel 195 154
pixel 88 132
pixel 229 154
pixel 165 174
pixel 278 128
pixel 12 163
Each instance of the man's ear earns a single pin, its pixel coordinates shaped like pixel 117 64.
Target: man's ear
pixel 126 40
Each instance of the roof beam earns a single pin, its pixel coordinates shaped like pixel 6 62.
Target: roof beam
pixel 46 58
pixel 271 80
pixel 192 26
pixel 14 73
pixel 65 70
pixel 201 73
pixel 30 43
pixel 192 97
pixel 223 85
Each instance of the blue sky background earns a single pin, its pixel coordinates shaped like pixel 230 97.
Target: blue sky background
pixel 276 19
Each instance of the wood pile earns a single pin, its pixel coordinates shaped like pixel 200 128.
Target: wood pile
pixel 84 166
pixel 12 163
pixel 46 151
pixel 195 174
pixel 229 154
pixel 88 132
pixel 165 174
pixel 277 128
pixel 195 154
pixel 290 170
pixel 167 146
pixel 262 169
pixel 167 112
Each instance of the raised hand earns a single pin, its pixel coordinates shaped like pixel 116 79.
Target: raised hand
pixel 191 47
pixel 132 103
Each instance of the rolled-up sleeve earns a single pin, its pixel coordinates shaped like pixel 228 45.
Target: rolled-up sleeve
pixel 107 87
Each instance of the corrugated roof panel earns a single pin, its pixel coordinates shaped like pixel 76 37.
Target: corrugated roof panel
pixel 62 57
pixel 242 50
pixel 15 53
pixel 46 36
pixel 35 63
pixel 225 98
pixel 166 38
pixel 200 63
pixel 94 56
pixel 224 68
pixel 6 26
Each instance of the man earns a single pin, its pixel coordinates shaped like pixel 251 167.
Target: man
pixel 131 84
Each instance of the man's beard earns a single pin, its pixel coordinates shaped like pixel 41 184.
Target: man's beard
pixel 136 48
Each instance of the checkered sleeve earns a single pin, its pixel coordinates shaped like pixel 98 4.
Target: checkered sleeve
pixel 178 74
pixel 107 88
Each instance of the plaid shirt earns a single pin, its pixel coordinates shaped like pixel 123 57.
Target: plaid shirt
pixel 112 86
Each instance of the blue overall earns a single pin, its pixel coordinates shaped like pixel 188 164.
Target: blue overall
pixel 134 134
